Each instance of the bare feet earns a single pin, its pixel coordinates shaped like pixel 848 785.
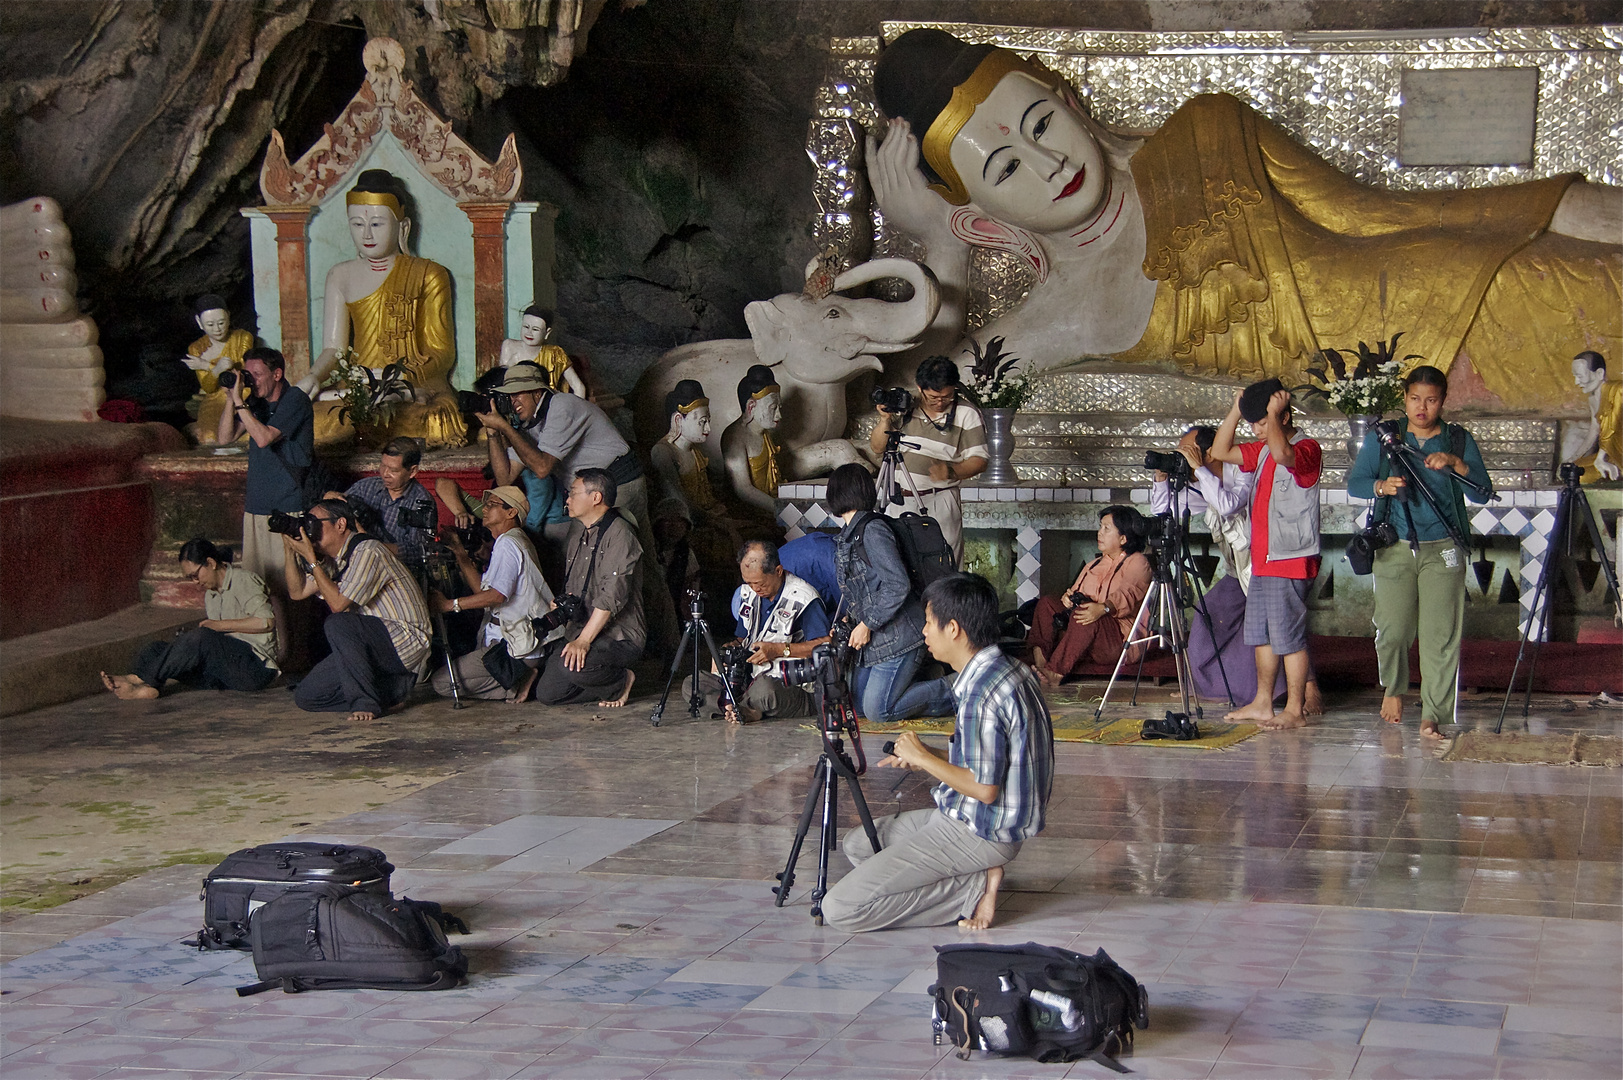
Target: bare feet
pixel 1428 730
pixel 128 687
pixel 987 908
pixel 625 695
pixel 1283 721
pixel 1045 674
pixel 1255 713
pixel 521 692
pixel 1312 701
pixel 1392 710
pixel 361 716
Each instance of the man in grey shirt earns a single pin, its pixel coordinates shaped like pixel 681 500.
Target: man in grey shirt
pixel 604 572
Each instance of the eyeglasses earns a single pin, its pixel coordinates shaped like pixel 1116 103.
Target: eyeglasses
pixel 194 576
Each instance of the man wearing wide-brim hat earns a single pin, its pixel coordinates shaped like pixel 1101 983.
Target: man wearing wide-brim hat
pixel 557 435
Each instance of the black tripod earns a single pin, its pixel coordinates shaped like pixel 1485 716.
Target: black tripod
pixel 893 474
pixel 430 583
pixel 838 716
pixel 692 632
pixel 1571 502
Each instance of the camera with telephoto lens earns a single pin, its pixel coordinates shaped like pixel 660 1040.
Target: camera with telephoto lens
pixel 421 516
pixel 288 524
pixel 227 379
pixel 472 401
pixel 570 609
pixel 893 399
pixel 1174 464
pixel 826 668
pixel 736 668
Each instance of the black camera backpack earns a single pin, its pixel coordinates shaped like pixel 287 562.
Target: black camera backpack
pixel 1036 1001
pixel 248 879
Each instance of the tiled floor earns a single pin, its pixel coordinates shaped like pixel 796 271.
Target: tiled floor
pixel 1327 903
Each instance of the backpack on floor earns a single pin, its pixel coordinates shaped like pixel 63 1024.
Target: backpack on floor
pixel 250 878
pixel 924 549
pixel 331 937
pixel 1036 1001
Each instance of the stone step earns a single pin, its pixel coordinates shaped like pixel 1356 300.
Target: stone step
pixel 64 664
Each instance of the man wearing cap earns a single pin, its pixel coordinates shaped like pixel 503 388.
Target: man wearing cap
pixel 1284 544
pixel 511 593
pixel 558 435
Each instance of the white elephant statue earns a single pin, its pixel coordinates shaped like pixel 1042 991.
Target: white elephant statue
pixel 814 348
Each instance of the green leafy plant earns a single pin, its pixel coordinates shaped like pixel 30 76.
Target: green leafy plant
pixel 1369 385
pixel 369 399
pixel 990 384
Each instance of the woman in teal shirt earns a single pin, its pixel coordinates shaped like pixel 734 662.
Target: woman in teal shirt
pixel 1420 580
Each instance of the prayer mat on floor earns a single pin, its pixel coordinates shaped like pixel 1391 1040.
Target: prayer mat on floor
pixel 1214 735
pixel 1520 748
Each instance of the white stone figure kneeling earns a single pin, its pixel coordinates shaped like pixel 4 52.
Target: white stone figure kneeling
pixel 1597 443
pixel 749 449
pixel 531 345
pixel 218 351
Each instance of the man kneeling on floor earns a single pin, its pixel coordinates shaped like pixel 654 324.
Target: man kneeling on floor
pixel 946 864
pixel 378 628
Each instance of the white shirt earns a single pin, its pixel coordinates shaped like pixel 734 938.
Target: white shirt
pixel 514 572
pixel 1225 505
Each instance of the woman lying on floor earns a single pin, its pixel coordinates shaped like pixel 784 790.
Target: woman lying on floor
pixel 1091 622
pixel 233 648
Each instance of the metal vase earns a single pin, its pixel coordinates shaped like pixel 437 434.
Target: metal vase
pixel 999 447
pixel 1357 428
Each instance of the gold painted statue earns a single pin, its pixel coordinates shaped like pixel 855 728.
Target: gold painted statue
pixel 1596 444
pixel 683 471
pixel 749 450
pixel 1220 243
pixel 219 350
pixel 389 306
pixel 531 347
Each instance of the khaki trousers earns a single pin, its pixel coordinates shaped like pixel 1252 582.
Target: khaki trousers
pixel 1421 594
pixel 946 506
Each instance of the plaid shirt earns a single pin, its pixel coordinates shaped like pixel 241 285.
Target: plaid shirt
pixel 372 492
pixel 1004 737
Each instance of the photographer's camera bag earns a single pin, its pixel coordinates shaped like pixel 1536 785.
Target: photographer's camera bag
pixel 335 937
pixel 249 879
pixel 1037 1001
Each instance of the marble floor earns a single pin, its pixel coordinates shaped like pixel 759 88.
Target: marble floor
pixel 1334 902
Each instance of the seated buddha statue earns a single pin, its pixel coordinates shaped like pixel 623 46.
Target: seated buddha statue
pixel 390 307
pixel 219 350
pixel 683 471
pixel 531 347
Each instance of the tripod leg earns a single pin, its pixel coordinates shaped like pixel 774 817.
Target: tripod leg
pixel 831 808
pixel 676 665
pixel 450 660
pixel 1130 642
pixel 1538 614
pixel 1211 633
pixel 715 653
pixel 786 880
pixel 1606 565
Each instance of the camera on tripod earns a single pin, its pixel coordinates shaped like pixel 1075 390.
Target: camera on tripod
pixel 570 609
pixel 825 667
pixel 1174 464
pixel 421 516
pixel 736 668
pixel 892 399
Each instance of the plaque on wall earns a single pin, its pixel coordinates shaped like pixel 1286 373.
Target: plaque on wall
pixel 1468 116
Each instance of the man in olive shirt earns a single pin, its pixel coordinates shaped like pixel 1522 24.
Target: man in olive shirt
pixel 604 572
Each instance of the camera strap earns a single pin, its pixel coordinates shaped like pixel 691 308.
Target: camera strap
pixel 608 519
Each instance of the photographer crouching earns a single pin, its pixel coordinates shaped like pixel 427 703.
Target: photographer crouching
pixel 601 608
pixel 780 617
pixel 378 629
pixel 513 592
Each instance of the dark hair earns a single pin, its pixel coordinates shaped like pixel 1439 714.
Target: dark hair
pixel 198 551
pixel 968 600
pixel 1130 523
pixel 769 554
pixel 1426 375
pixel 407 449
pixel 1597 362
pixel 340 510
pixel 267 356
pixel 384 182
pixel 1254 400
pixel 916 74
pixel 1205 435
pixel 936 373
pixel 756 379
pixel 849 488
pixel 208 302
pixel 543 313
pixel 600 481
pixel 683 392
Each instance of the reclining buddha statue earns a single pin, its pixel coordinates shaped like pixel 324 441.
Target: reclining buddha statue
pixel 388 306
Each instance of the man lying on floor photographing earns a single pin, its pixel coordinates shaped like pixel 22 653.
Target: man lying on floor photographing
pixel 946 864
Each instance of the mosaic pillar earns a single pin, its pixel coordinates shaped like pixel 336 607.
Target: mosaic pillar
pixel 489 221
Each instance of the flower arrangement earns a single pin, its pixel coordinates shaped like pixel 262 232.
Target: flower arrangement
pixel 1370 387
pixel 369 399
pixel 990 385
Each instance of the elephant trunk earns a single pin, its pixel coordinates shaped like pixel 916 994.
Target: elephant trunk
pixel 899 324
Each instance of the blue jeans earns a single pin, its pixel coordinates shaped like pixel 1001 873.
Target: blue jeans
pixel 886 691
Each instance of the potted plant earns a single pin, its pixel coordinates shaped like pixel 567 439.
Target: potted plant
pixel 999 397
pixel 1362 390
pixel 370 399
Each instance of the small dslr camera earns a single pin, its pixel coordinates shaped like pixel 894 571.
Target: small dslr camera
pixel 570 609
pixel 227 379
pixel 736 667
pixel 1174 464
pixel 892 399
pixel 288 524
pixel 421 516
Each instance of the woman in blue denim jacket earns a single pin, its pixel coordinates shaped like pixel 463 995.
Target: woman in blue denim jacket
pixel 887 613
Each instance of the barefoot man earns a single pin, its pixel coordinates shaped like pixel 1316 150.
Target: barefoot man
pixel 944 865
pixel 604 574
pixel 1284 544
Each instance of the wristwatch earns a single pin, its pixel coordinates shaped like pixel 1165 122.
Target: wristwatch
pixel 786 650
pixel 456 605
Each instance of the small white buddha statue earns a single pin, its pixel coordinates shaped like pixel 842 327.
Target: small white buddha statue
pixel 531 347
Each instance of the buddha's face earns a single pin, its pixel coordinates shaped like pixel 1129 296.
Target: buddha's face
pixel 695 426
pixel 767 412
pixel 216 323
pixel 376 231
pixel 533 330
pixel 1028 159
